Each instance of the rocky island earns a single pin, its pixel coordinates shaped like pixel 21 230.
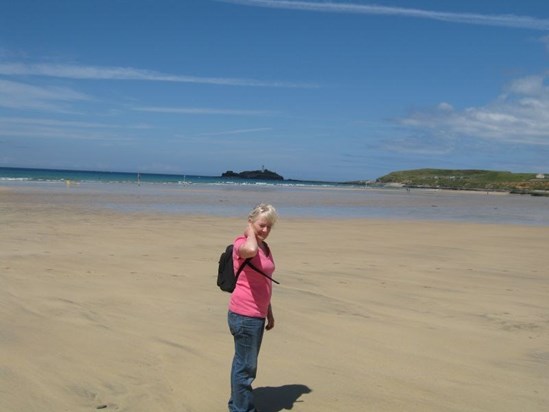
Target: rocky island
pixel 263 174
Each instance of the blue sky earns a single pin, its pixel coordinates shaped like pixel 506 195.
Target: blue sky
pixel 324 90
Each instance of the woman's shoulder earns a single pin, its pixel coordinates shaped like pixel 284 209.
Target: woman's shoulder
pixel 239 239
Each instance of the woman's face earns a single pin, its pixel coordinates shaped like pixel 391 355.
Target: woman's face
pixel 262 227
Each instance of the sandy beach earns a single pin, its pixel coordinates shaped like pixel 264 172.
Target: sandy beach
pixel 117 311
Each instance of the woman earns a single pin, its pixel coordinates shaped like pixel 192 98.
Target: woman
pixel 250 304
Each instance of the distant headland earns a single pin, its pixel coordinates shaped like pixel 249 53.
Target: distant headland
pixel 263 174
pixel 449 179
pixel 481 180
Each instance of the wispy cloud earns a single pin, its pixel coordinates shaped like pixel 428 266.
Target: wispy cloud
pixel 238 131
pixel 44 132
pixel 512 21
pixel 218 137
pixel 49 128
pixel 16 95
pixel 519 116
pixel 27 121
pixel 205 111
pixel 68 71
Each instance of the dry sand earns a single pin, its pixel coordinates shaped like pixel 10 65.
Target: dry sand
pixel 120 312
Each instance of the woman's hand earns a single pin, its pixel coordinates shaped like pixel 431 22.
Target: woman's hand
pixel 250 231
pixel 270 319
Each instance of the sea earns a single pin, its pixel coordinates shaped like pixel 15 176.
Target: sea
pixel 218 196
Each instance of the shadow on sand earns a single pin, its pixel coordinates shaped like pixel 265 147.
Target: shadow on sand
pixel 271 399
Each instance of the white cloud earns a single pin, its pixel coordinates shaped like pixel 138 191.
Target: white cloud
pixel 205 111
pixel 219 136
pixel 47 128
pixel 127 73
pixel 511 21
pixel 26 121
pixel 445 107
pixel 237 131
pixel 529 85
pixel 16 95
pixel 44 132
pixel 520 116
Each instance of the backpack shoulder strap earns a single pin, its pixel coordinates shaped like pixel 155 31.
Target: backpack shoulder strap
pixel 241 268
pixel 262 273
pixel 249 263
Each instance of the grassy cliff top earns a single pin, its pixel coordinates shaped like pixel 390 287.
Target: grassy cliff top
pixel 469 179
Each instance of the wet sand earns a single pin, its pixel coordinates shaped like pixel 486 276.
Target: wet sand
pixel 118 311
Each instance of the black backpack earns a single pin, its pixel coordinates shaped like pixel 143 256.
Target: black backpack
pixel 226 276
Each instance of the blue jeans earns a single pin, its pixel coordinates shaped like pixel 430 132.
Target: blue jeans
pixel 248 334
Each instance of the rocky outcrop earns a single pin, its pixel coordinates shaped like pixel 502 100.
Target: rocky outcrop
pixel 253 174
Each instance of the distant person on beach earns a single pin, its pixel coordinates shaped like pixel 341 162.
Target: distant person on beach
pixel 250 311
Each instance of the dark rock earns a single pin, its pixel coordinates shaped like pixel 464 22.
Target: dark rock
pixel 264 174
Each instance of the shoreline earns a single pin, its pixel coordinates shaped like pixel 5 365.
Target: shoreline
pixel 299 202
pixel 76 177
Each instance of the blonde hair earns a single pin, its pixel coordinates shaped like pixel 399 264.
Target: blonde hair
pixel 265 210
